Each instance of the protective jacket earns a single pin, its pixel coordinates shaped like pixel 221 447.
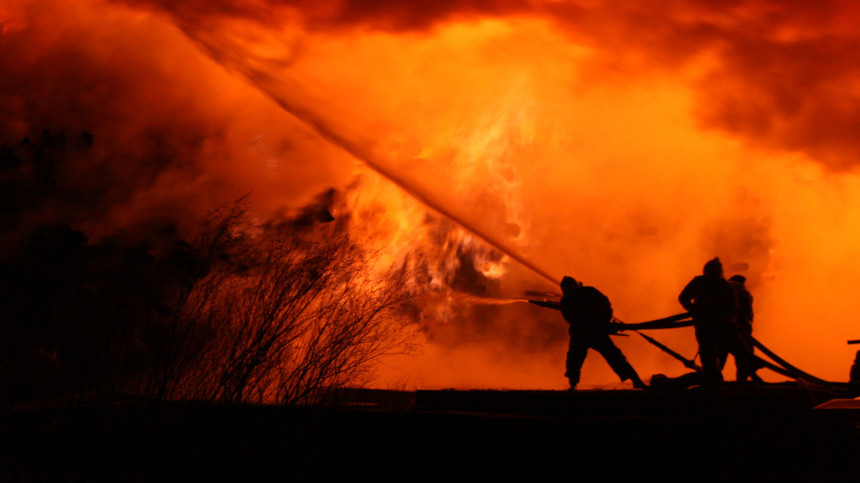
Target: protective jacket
pixel 587 310
pixel 709 297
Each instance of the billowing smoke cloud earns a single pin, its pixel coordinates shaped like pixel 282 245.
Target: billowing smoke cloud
pixel 621 144
pixel 778 73
pixel 135 129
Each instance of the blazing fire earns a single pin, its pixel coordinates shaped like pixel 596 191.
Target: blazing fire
pixel 499 145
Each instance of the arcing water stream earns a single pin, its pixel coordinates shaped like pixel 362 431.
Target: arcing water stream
pixel 289 92
pixel 326 131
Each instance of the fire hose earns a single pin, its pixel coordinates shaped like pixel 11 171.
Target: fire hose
pixel 684 320
pixel 780 365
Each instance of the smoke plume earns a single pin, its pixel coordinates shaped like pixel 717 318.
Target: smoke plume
pixel 502 144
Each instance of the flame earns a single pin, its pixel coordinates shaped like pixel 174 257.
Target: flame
pixel 621 144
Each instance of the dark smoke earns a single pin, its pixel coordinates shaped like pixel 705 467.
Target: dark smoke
pixel 114 122
pixel 780 74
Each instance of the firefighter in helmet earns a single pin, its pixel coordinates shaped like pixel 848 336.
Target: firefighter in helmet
pixel 711 300
pixel 589 313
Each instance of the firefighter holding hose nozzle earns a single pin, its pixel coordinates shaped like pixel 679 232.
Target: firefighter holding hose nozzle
pixel 589 314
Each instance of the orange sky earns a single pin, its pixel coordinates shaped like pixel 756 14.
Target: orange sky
pixel 623 145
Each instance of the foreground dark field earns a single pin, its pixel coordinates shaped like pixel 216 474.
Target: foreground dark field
pixel 443 436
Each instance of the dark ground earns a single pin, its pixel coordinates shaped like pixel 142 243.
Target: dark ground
pixel 745 434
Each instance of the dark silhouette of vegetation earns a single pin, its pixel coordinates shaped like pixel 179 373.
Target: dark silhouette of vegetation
pixel 289 314
pixel 277 313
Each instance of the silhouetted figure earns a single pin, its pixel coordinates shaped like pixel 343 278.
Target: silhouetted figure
pixel 744 317
pixel 739 341
pixel 589 313
pixel 854 375
pixel 711 301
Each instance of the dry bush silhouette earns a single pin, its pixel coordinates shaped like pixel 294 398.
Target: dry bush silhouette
pixel 274 313
pixel 280 317
pixel 281 313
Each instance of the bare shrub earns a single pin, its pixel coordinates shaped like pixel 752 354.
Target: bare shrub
pixel 187 334
pixel 279 313
pixel 286 315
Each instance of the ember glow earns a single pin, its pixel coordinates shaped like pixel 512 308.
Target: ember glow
pixel 502 144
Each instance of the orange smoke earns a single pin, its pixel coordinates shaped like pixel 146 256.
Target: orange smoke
pixel 623 145
pixel 175 135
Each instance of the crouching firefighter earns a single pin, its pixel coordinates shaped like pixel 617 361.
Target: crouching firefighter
pixel 589 314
